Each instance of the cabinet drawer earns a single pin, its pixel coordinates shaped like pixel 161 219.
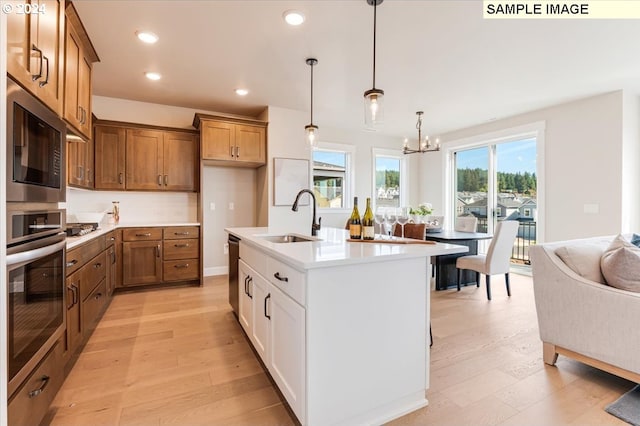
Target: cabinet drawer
pixel 180 270
pixel 141 234
pixel 74 260
pixel 94 271
pixel 93 305
pixel 181 232
pixel 92 248
pixel 287 279
pixel 254 258
pixel 180 249
pixel 25 408
pixel 110 238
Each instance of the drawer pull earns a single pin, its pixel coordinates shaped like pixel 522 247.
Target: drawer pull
pixel 146 234
pixel 36 392
pixel 181 245
pixel 181 233
pixel 158 250
pixel 277 275
pixel 181 266
pixel 98 296
pixel 73 262
pixel 112 238
pixel 249 292
pixel 265 306
pixel 97 265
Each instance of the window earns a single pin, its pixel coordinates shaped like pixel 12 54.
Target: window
pixel 389 188
pixel 332 176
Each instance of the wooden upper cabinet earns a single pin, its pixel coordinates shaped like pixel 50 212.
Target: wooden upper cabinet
pixel 80 156
pixel 35 49
pixel 180 162
pixel 79 58
pixel 231 140
pixel 110 145
pixel 144 159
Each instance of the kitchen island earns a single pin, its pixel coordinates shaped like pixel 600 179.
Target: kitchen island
pixel 342 327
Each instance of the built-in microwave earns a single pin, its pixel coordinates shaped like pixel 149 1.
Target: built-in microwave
pixel 36 146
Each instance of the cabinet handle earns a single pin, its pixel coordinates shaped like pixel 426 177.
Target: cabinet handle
pixel 166 180
pixel 34 77
pixel 120 178
pixel 76 299
pixel 246 285
pixel 79 114
pixel 97 296
pixel 146 234
pixel 237 152
pixel 231 149
pixel 36 392
pixel 112 238
pixel 250 293
pixel 73 298
pixel 181 233
pixel 181 245
pixel 97 265
pixel 73 262
pixel 159 180
pixel 46 80
pixel 277 275
pixel 80 172
pixel 158 250
pixel 265 306
pixel 113 257
pixel 181 266
pixel 84 116
pixel 89 179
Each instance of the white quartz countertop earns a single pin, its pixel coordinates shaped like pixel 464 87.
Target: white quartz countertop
pixel 333 249
pixel 103 229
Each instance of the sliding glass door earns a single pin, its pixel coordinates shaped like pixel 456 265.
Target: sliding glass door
pixel 497 181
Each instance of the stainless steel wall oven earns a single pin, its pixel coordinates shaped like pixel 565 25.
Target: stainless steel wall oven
pixel 36 145
pixel 35 287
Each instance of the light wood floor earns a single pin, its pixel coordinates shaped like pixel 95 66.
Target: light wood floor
pixel 178 356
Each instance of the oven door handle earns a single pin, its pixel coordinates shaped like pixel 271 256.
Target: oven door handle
pixel 35 254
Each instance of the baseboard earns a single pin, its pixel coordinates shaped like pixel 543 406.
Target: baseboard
pixel 216 270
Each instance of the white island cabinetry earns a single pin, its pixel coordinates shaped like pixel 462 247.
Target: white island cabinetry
pixel 342 327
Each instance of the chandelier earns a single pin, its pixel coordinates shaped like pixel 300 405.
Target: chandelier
pixel 424 145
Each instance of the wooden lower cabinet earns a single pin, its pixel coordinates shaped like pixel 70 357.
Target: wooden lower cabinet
pixel 156 255
pixel 74 321
pixel 32 399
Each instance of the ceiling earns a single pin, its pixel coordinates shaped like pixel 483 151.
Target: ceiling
pixel 438 56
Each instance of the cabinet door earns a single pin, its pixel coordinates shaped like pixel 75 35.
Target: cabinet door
pixel 111 270
pixel 76 163
pixel 141 262
pixel 88 164
pixel 180 160
pixel 19 51
pixel 74 325
pixel 109 157
pixel 218 140
pixel 50 39
pixel 250 143
pixel 287 354
pixel 245 309
pixel 144 159
pixel 72 111
pixel 84 94
pixel 259 289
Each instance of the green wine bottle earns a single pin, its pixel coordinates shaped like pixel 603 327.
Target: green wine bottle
pixel 368 231
pixel 355 228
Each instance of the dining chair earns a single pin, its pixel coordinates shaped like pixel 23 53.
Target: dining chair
pixel 466 224
pixel 415 231
pixel 497 259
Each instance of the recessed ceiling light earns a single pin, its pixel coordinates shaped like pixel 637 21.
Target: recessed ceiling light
pixel 293 17
pixel 242 92
pixel 147 36
pixel 153 75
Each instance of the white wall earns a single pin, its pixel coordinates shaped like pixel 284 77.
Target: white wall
pixel 631 163
pixel 583 164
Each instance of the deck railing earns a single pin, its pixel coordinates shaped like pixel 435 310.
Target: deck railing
pixel 525 238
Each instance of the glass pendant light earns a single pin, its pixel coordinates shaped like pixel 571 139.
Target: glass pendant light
pixel 310 129
pixel 374 98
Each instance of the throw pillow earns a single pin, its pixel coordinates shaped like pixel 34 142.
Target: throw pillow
pixel 584 260
pixel 620 265
pixel 635 240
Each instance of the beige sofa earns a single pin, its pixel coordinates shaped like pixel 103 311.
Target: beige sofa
pixel 580 317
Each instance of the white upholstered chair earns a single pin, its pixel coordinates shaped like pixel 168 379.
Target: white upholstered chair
pixel 497 259
pixel 466 224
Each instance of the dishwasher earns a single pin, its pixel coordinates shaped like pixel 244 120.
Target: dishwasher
pixel 234 255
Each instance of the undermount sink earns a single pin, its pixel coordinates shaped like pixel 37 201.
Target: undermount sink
pixel 288 238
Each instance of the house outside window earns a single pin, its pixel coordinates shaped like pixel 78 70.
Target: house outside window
pixel 389 177
pixel 332 175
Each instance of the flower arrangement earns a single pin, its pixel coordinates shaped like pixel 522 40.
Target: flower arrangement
pixel 423 209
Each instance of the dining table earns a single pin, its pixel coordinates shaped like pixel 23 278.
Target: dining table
pixel 445 265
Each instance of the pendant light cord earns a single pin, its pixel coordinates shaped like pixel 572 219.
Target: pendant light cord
pixel 375 6
pixel 311 93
